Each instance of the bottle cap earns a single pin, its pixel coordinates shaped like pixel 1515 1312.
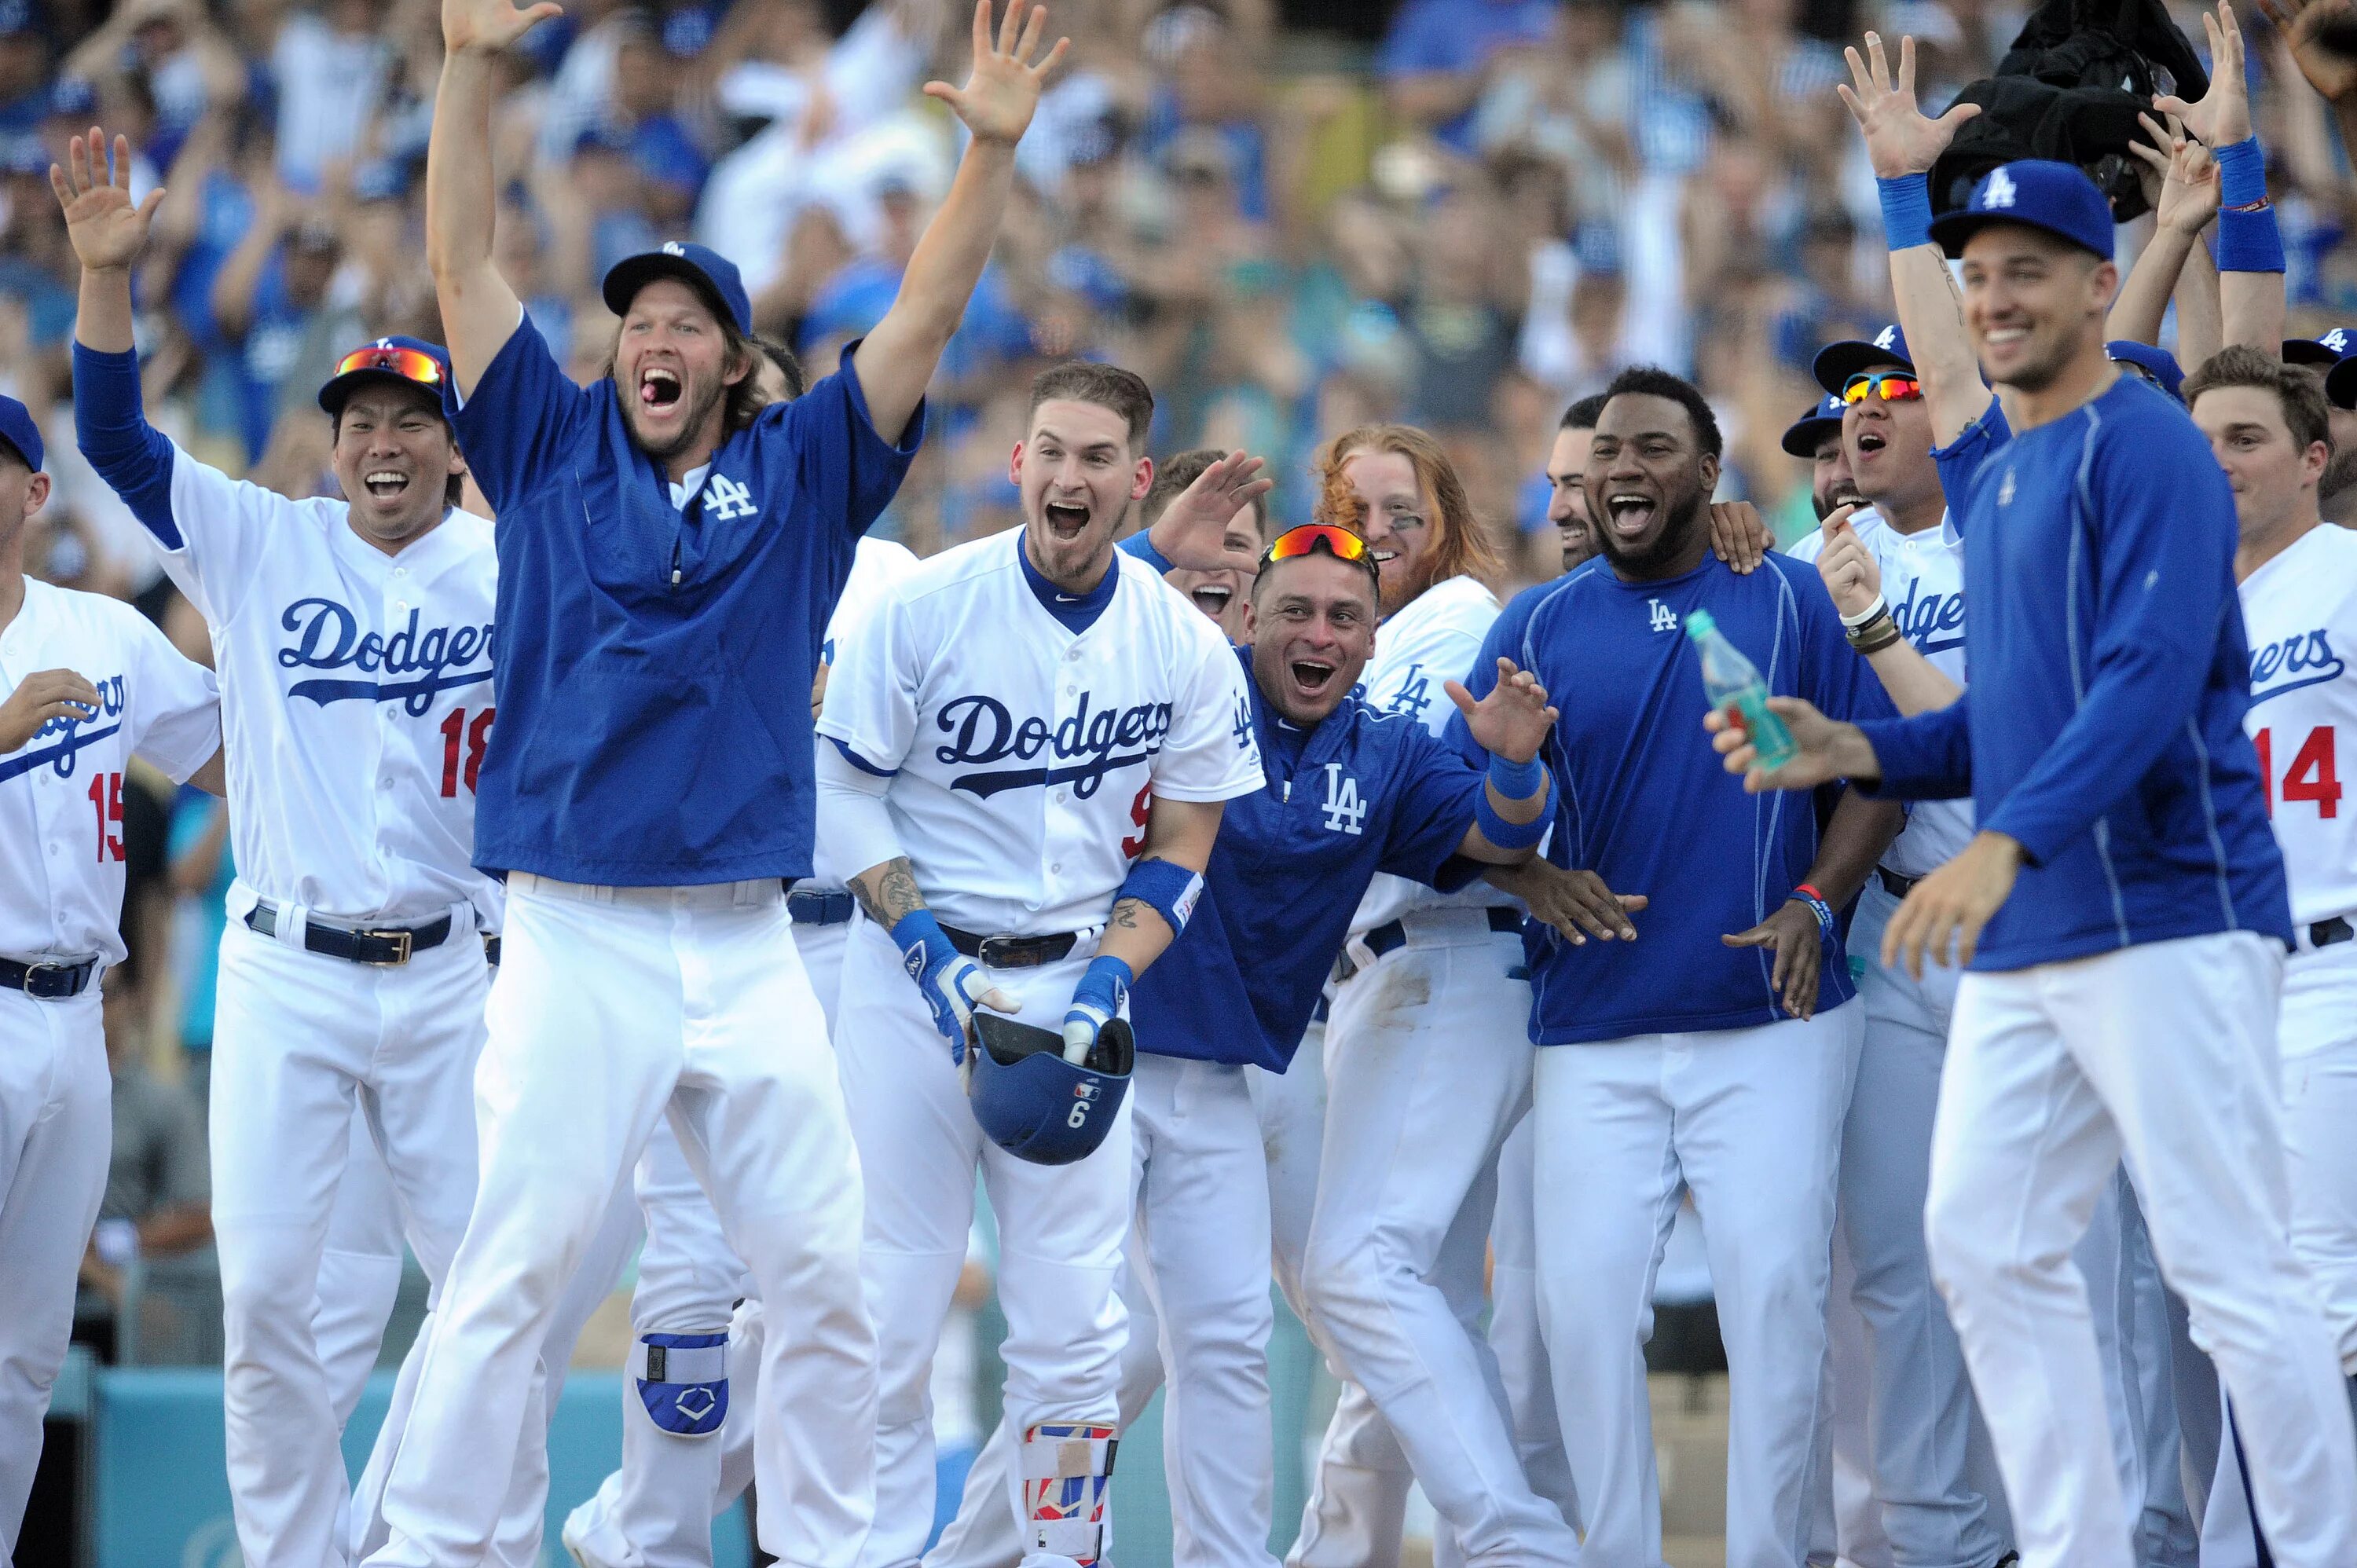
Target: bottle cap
pixel 1699 625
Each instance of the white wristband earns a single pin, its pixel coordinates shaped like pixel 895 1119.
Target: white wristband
pixel 1867 614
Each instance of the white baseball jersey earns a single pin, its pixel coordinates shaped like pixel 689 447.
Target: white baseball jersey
pixel 1923 583
pixel 1429 641
pixel 62 855
pixel 1024 754
pixel 876 565
pixel 2300 614
pixel 356 695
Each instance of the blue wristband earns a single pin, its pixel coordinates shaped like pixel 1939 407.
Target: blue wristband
pixel 1906 210
pixel 2242 174
pixel 1503 834
pixel 1817 906
pixel 1165 887
pixel 1516 780
pixel 2249 241
pixel 1106 982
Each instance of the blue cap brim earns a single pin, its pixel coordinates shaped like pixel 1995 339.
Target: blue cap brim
pixel 1801 436
pixel 1836 363
pixel 2309 351
pixel 2340 384
pixel 1952 231
pixel 339 389
pixel 631 274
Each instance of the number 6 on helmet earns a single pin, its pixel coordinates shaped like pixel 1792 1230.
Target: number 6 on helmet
pixel 1035 1104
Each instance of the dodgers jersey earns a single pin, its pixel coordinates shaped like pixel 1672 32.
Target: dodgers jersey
pixel 1024 743
pixel 2300 613
pixel 654 675
pixel 1923 583
pixel 1360 793
pixel 1644 801
pixel 876 565
pixel 62 855
pixel 356 686
pixel 2102 729
pixel 1432 639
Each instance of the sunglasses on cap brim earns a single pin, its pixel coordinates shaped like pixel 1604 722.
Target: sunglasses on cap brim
pixel 409 364
pixel 1891 386
pixel 1310 538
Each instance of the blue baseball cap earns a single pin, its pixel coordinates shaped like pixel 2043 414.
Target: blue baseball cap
pixel 2037 193
pixel 2324 350
pixel 2158 364
pixel 18 429
pixel 701 267
pixel 413 360
pixel 2340 383
pixel 1836 363
pixel 1823 418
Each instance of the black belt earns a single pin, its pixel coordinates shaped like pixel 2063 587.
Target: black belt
pixel 491 952
pixel 1012 952
pixel 2324 933
pixel 377 945
pixel 820 906
pixel 48 982
pixel 1391 936
pixel 1898 886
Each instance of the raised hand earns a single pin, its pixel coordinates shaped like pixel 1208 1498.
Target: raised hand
pixel 1004 87
pixel 107 230
pixel 2179 176
pixel 40 700
pixel 2302 23
pixel 487 27
pixel 1900 137
pixel 1825 749
pixel 1193 532
pixel 1850 573
pixel 1514 719
pixel 2224 115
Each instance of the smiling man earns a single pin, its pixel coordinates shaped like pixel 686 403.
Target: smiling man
pixel 670 548
pixel 1349 791
pixel 1028 743
pixel 2120 908
pixel 1714 1053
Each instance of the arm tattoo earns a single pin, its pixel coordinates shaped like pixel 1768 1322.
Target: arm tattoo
pixel 1125 912
pixel 895 893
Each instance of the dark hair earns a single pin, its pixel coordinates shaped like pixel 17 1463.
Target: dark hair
pixel 1173 478
pixel 2297 388
pixel 1583 414
pixel 797 378
pixel 454 486
pixel 1651 381
pixel 1108 386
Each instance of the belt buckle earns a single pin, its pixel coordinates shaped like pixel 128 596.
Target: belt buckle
pixel 34 984
pixel 402 942
pixel 1004 953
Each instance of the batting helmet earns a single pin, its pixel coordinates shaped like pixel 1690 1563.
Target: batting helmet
pixel 1035 1104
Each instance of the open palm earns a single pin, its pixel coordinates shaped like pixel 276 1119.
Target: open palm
pixel 1003 88
pixel 488 26
pixel 107 230
pixel 1900 139
pixel 2223 116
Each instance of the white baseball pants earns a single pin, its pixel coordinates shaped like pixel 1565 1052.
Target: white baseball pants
pixel 2128 1306
pixel 614 1006
pixel 2163 1054
pixel 57 1127
pixel 1427 1069
pixel 301 1042
pixel 1749 1120
pixel 1060 1233
pixel 1920 1403
pixel 1359 1480
pixel 1517 1336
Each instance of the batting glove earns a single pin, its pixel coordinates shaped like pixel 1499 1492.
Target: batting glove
pixel 1096 1002
pixel 951 984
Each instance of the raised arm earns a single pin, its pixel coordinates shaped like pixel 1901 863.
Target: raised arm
pixel 479 311
pixel 1509 722
pixel 1902 143
pixel 897 359
pixel 2332 73
pixel 2180 181
pixel 2250 247
pixel 107 232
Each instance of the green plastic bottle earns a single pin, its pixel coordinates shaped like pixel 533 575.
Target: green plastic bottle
pixel 1736 689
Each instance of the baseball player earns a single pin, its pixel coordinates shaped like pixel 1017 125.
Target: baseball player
pixel 86 684
pixel 1714 1054
pixel 1032 736
pixel 649 791
pixel 1816 439
pixel 354 643
pixel 2268 427
pixel 1278 887
pixel 2337 494
pixel 2123 1004
pixel 1895 574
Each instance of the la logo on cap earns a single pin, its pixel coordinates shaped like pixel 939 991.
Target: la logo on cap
pixel 2336 340
pixel 672 248
pixel 2000 191
pixel 1888 335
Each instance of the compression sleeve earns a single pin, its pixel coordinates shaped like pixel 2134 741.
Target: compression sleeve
pixel 852 819
pixel 110 427
pixel 1926 758
pixel 1141 544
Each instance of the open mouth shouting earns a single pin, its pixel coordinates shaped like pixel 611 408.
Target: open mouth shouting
pixel 1870 441
pixel 1213 599
pixel 385 484
pixel 659 387
pixel 1067 520
pixel 1312 678
pixel 1630 512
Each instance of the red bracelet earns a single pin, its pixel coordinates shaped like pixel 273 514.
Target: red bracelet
pixel 1812 892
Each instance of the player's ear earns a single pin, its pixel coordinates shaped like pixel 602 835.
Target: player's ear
pixel 1142 479
pixel 1708 473
pixel 36 493
pixel 1015 466
pixel 2315 460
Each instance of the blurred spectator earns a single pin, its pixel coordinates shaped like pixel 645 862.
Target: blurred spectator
pixel 201 871
pixel 1439 54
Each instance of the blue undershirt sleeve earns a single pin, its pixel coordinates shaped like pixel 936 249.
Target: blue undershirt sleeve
pixel 1142 546
pixel 1927 757
pixel 110 427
